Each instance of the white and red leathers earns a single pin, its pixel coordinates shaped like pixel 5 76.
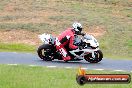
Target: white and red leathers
pixel 66 37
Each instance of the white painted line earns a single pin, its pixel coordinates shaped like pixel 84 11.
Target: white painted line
pixel 68 67
pixel 33 65
pixel 99 69
pixel 14 52
pixel 118 70
pixel 84 68
pixel 51 66
pixel 12 64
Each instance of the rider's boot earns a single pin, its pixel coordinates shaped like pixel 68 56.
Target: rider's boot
pixel 66 58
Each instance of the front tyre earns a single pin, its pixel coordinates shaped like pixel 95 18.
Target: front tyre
pixel 98 57
pixel 44 52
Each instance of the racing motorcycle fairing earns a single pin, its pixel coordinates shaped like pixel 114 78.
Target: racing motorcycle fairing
pixel 90 48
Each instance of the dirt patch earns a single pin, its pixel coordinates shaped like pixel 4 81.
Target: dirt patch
pixel 27 37
pixel 19 36
pixel 96 31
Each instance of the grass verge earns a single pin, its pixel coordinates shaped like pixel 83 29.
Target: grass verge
pixel 17 47
pixel 41 77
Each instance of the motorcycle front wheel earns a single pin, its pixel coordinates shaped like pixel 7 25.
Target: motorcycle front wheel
pixel 44 52
pixel 98 57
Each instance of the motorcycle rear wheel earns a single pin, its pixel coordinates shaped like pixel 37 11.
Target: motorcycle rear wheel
pixel 45 53
pixel 98 57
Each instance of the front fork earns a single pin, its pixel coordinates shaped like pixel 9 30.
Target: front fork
pixel 93 52
pixel 93 55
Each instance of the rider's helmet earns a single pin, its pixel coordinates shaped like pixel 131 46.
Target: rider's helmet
pixel 77 27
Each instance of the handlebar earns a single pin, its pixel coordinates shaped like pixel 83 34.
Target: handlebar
pixel 82 34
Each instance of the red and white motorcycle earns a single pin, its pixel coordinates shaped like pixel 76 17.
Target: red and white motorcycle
pixel 89 49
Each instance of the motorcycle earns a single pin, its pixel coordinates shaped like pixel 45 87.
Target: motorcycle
pixel 88 49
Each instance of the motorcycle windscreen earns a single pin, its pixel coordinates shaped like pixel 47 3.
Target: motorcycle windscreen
pixel 88 37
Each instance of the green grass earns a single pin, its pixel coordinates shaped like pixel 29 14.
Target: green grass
pixel 41 77
pixel 17 47
pixel 114 15
pixel 129 43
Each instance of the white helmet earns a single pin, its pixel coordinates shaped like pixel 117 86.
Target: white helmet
pixel 77 27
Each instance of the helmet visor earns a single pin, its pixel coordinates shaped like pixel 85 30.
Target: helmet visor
pixel 80 29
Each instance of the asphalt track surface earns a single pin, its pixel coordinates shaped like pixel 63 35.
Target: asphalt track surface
pixel 13 58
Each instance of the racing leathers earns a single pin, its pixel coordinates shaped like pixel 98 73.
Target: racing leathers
pixel 65 38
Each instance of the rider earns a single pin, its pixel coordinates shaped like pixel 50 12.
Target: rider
pixel 67 38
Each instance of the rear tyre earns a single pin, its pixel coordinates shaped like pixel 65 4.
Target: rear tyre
pixel 66 61
pixel 98 57
pixel 44 52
